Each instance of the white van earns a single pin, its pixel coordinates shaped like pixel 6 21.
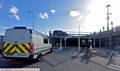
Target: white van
pixel 20 42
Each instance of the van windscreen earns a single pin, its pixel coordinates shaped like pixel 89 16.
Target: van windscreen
pixel 17 36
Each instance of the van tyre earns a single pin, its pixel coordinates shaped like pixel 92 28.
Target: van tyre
pixel 51 50
pixel 38 57
pixel 35 59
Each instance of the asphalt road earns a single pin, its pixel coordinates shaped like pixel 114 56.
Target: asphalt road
pixel 66 60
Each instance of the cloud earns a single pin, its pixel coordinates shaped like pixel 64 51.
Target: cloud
pixel 53 11
pixel 14 12
pixel 96 18
pixel 16 16
pixel 80 18
pixel 43 16
pixel 74 13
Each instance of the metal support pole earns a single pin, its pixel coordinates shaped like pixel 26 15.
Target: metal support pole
pixel 79 40
pixel 109 37
pixel 65 41
pixel 94 39
pixel 111 34
pixel 100 39
pixel 32 19
pixel 107 17
pixel 60 48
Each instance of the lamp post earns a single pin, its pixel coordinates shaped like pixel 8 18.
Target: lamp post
pixel 108 16
pixel 100 38
pixel 94 38
pixel 112 25
pixel 79 40
pixel 103 28
pixel 32 13
pixel 109 36
pixel 60 47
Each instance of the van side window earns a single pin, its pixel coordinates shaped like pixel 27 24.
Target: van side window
pixel 45 41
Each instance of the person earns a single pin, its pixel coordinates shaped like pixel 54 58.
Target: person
pixel 90 48
pixel 83 45
pixel 84 58
pixel 87 52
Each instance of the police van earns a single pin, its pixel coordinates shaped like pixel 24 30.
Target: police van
pixel 20 42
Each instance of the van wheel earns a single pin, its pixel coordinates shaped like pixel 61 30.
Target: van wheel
pixel 38 57
pixel 51 50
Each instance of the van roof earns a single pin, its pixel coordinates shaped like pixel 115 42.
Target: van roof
pixel 19 27
pixel 44 35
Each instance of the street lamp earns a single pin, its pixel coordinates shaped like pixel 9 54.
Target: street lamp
pixel 103 28
pixel 94 39
pixel 32 13
pixel 108 13
pixel 79 40
pixel 100 38
pixel 112 25
pixel 111 34
pixel 108 16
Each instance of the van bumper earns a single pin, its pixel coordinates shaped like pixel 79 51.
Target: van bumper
pixel 15 56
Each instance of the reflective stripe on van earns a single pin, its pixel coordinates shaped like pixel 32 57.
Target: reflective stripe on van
pixel 16 48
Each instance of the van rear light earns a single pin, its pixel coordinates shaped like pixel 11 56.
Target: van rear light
pixel 32 48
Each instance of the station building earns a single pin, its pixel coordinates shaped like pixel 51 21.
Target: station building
pixel 100 39
pixel 67 40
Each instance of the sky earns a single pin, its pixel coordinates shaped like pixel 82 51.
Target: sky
pixel 66 15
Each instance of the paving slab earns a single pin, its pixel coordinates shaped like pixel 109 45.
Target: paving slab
pixel 99 60
pixel 114 62
pixel 76 65
pixel 116 59
pixel 63 61
pixel 55 59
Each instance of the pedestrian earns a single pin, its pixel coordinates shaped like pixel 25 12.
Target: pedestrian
pixel 87 51
pixel 83 45
pixel 84 52
pixel 90 48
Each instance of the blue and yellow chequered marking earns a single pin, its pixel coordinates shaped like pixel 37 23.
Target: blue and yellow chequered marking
pixel 16 48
